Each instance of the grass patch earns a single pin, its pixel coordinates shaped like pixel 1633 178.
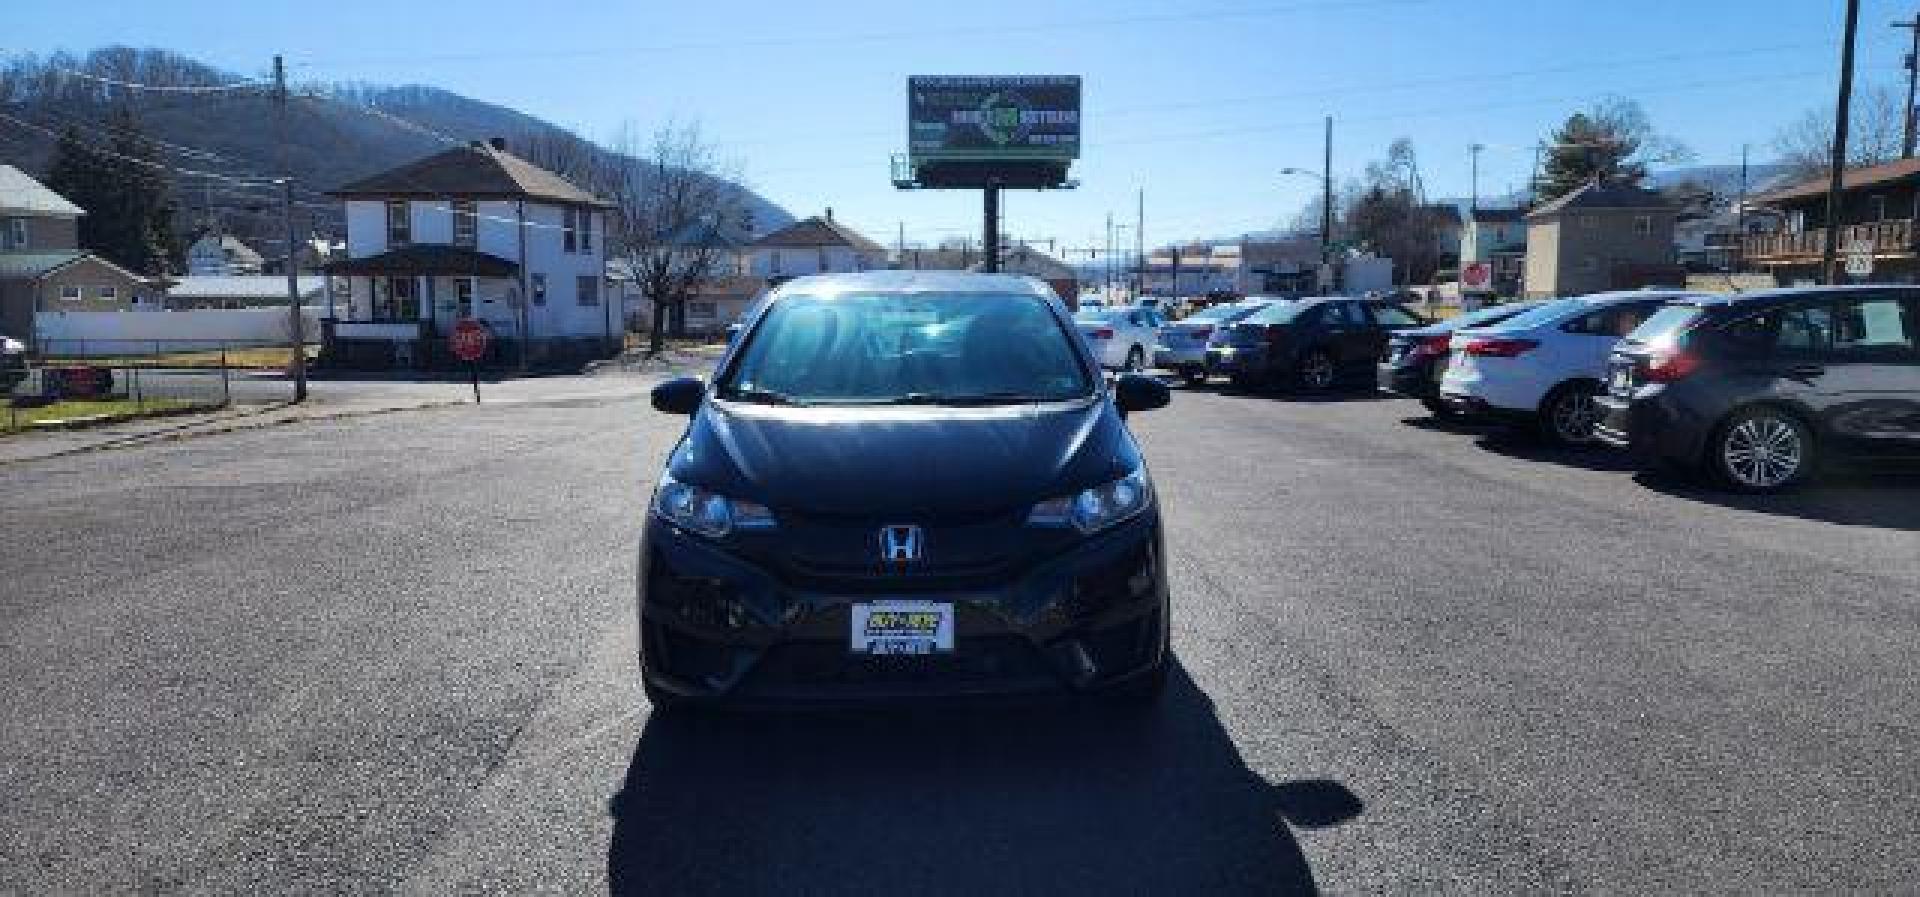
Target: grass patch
pixel 262 358
pixel 13 420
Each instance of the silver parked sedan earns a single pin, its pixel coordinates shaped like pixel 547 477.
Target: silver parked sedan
pixel 1182 344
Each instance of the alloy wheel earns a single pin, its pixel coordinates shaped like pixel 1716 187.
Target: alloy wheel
pixel 1573 416
pixel 1763 452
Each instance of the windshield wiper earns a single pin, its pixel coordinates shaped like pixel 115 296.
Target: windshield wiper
pixel 1005 397
pixel 761 396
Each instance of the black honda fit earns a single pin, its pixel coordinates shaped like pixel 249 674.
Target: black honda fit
pixel 904 485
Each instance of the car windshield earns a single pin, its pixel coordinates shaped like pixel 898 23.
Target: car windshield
pixel 902 348
pixel 1543 314
pixel 1665 326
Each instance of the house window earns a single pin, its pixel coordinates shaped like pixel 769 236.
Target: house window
pixel 107 293
pixel 1879 205
pixel 399 225
pixel 586 231
pixel 823 261
pixel 1589 221
pixel 463 296
pixel 70 293
pixel 465 226
pixel 17 233
pixel 539 287
pixel 1643 224
pixel 587 290
pixel 397 302
pixel 568 239
pixel 774 267
pixel 702 311
pixel 1590 263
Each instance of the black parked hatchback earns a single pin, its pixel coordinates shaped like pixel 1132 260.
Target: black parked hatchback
pixel 904 485
pixel 1307 343
pixel 1757 389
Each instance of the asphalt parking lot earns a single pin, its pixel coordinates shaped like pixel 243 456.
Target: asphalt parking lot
pixel 396 653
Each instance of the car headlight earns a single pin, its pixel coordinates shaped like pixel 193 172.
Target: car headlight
pixel 1096 509
pixel 707 512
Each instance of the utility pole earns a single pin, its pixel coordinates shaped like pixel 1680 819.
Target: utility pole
pixel 1326 197
pixel 1913 80
pixel 1740 217
pixel 1831 245
pixel 1140 241
pixel 1109 266
pixel 296 321
pixel 990 241
pixel 900 245
pixel 1474 150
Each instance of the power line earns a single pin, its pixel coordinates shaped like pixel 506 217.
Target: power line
pixel 160 166
pixel 160 88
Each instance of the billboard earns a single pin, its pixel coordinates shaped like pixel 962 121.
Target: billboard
pixel 993 119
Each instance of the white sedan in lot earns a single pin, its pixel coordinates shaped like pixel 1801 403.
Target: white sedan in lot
pixel 1543 368
pixel 1121 338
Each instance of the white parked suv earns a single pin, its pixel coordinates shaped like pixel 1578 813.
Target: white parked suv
pixel 1121 338
pixel 1543 368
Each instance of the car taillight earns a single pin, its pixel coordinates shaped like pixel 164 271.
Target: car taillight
pixel 1102 333
pixel 1500 348
pixel 1433 345
pixel 1669 365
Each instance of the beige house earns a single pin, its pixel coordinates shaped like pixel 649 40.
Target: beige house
pixel 1599 238
pixel 42 268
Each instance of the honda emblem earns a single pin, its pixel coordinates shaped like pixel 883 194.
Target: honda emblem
pixel 900 544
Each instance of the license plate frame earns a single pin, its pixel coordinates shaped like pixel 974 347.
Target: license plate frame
pixel 900 626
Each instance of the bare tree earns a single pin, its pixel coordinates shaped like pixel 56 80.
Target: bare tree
pixel 676 209
pixel 1873 137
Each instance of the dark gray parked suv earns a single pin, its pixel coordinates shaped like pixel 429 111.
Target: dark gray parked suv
pixel 1756 389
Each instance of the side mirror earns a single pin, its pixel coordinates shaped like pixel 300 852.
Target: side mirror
pixel 1139 392
pixel 682 395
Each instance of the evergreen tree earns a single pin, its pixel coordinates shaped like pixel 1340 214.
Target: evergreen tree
pixel 129 218
pixel 1612 142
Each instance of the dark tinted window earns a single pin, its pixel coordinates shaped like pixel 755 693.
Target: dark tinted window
pixel 1280 313
pixel 1341 314
pixel 882 347
pixel 1791 329
pixel 1395 316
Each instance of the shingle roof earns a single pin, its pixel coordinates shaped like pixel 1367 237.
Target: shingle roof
pixel 428 259
pixel 818 231
pixel 34 264
pixel 1851 178
pixel 1498 216
pixel 1446 210
pixel 236 250
pixel 476 170
pixel 20 193
pixel 1597 196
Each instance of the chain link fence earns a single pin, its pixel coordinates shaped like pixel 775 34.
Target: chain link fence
pixel 64 382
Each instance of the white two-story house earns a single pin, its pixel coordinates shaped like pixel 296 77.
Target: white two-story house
pixel 472 232
pixel 817 245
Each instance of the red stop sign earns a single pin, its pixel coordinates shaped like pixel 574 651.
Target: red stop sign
pixel 469 340
pixel 1476 274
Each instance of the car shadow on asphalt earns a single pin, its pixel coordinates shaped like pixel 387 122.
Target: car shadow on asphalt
pixel 1523 446
pixel 1884 497
pixel 1058 798
pixel 1337 394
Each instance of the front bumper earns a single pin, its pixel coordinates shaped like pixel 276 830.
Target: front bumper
pixel 716 627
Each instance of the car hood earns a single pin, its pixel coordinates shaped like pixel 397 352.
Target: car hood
pixel 903 459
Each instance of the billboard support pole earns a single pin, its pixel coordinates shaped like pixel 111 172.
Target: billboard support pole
pixel 990 230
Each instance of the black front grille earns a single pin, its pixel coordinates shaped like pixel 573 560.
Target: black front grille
pixel 982 660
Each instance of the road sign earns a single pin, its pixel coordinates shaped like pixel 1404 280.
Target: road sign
pixel 1476 276
pixel 469 344
pixel 469 340
pixel 1860 259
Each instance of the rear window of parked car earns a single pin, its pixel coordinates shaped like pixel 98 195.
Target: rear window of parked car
pixel 1545 314
pixel 1666 325
pixel 1277 313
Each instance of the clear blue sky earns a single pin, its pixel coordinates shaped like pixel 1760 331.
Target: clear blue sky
pixel 1200 104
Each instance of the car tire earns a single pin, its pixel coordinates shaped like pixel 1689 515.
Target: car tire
pixel 665 703
pixel 1440 410
pixel 1136 360
pixel 1315 372
pixel 1568 413
pixel 1762 450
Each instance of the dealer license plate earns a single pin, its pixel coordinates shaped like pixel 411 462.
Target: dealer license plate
pixel 902 627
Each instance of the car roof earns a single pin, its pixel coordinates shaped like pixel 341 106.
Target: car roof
pixel 1788 294
pixel 913 282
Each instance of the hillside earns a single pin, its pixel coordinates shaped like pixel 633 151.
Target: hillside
pixel 339 132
